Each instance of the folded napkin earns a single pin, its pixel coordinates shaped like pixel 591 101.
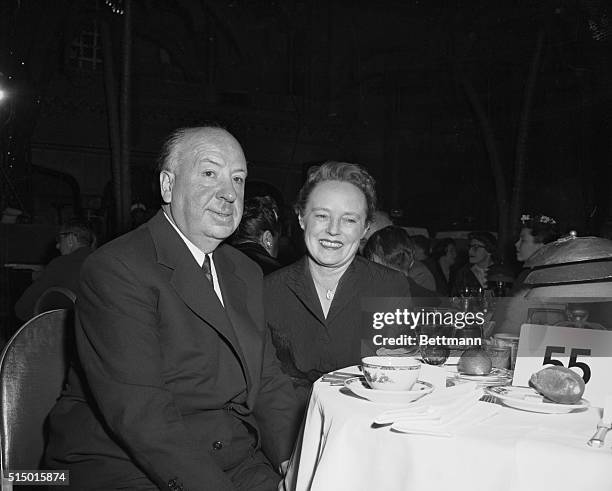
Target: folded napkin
pixel 449 424
pixel 434 405
pixel 442 414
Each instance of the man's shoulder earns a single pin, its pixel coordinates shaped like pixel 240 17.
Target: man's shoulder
pixel 132 247
pixel 74 259
pixel 380 279
pixel 377 271
pixel 420 269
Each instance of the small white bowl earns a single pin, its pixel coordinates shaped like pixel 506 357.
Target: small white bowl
pixel 391 372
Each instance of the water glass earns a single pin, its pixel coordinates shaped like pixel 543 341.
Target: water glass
pixel 500 356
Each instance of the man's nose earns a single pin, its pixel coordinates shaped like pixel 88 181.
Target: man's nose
pixel 227 191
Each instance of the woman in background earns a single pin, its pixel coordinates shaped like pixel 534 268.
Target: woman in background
pixel 258 234
pixel 536 231
pixel 473 276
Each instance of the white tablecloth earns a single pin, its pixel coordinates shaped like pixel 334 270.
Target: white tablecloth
pixel 338 449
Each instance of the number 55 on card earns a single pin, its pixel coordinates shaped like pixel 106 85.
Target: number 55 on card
pixel 587 352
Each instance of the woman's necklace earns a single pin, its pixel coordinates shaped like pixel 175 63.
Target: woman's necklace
pixel 329 292
pixel 326 289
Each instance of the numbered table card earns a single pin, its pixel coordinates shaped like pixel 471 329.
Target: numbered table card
pixel 588 352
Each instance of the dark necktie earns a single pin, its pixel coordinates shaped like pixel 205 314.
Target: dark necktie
pixel 206 269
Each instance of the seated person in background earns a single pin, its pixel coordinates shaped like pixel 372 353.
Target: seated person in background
pixel 313 307
pixel 380 220
pixel 75 241
pixel 177 385
pixel 393 247
pixel 443 258
pixel 421 247
pixel 536 231
pixel 258 233
pixel 472 276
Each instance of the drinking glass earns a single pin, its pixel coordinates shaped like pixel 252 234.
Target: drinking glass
pixel 500 356
pixel 435 354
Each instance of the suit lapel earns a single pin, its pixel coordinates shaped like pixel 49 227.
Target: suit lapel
pixel 301 284
pixel 189 281
pixel 348 288
pixel 234 291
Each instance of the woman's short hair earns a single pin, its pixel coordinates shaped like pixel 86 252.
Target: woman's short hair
pixel 343 172
pixel 487 238
pixel 441 246
pixel 392 246
pixel 260 214
pixel 544 229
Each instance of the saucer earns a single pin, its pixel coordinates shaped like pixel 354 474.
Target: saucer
pixel 358 386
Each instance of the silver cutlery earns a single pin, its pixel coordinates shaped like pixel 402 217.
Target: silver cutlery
pixel 604 425
pixel 489 398
pixel 337 378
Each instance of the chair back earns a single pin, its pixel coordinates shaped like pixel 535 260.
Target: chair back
pixel 56 297
pixel 33 366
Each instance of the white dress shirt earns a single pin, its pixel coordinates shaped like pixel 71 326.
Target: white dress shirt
pixel 199 256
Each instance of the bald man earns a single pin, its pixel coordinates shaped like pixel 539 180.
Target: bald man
pixel 177 385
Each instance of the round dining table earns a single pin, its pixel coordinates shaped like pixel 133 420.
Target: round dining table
pixel 341 449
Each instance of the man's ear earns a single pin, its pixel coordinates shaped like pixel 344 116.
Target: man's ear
pixel 166 182
pixel 301 221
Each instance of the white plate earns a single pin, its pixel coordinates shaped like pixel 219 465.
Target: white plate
pixel 360 387
pixel 528 399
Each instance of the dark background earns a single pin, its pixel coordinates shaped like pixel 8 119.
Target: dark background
pixel 468 113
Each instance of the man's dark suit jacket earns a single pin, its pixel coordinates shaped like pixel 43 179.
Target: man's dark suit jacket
pixel 170 374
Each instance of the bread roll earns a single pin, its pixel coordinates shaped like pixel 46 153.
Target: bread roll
pixel 559 384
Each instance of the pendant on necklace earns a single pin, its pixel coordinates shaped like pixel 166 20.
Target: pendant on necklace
pixel 329 294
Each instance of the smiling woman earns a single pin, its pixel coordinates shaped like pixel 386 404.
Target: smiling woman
pixel 313 307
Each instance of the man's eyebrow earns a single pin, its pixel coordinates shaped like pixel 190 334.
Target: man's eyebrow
pixel 207 160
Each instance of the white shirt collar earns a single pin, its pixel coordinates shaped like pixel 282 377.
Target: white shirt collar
pixel 199 256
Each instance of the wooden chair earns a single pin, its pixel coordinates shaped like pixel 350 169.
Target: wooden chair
pixel 33 366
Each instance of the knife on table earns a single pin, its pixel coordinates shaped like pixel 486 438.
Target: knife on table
pixel 605 425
